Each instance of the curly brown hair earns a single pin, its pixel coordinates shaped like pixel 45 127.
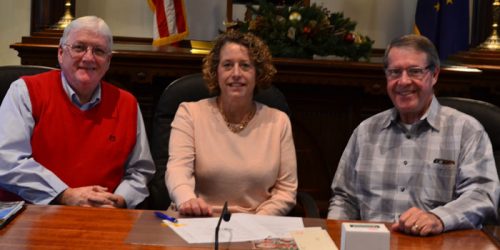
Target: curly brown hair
pixel 258 52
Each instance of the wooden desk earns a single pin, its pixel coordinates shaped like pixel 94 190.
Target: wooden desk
pixel 62 227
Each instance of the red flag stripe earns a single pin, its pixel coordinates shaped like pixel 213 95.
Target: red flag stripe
pixel 180 19
pixel 161 18
pixel 170 21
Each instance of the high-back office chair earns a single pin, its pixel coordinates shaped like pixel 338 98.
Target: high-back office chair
pixel 8 74
pixel 192 88
pixel 486 113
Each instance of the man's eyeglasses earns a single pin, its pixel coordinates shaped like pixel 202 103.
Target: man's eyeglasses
pixel 78 50
pixel 416 73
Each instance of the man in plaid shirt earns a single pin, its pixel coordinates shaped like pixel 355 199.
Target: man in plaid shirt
pixel 425 167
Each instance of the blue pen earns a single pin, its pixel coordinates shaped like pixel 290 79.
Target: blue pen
pixel 165 217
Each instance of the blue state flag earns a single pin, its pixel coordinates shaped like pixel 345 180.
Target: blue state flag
pixel 445 23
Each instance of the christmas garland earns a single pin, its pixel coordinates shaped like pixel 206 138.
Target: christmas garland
pixel 303 31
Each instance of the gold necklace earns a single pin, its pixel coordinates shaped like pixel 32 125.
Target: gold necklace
pixel 236 127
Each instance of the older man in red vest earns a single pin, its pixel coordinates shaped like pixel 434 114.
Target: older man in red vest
pixel 67 137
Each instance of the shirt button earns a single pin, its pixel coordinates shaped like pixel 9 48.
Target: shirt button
pixel 405 162
pixel 402 189
pixel 408 136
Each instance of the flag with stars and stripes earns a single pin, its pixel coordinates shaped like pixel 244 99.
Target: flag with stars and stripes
pixel 170 23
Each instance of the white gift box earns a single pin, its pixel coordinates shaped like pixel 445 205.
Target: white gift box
pixel 362 236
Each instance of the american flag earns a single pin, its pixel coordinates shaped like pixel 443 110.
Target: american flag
pixel 170 23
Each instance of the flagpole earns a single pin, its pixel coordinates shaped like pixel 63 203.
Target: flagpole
pixel 229 11
pixel 493 41
pixel 228 23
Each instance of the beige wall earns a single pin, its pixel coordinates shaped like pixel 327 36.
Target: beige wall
pixel 124 17
pixel 14 23
pixel 381 20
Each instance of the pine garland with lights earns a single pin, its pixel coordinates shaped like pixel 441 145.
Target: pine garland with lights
pixel 299 31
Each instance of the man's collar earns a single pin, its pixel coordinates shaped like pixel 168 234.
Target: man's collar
pixel 94 100
pixel 431 116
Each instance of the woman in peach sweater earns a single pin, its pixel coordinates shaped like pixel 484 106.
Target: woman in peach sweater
pixel 230 147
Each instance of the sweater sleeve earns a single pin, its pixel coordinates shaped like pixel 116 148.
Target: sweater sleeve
pixel 283 194
pixel 179 176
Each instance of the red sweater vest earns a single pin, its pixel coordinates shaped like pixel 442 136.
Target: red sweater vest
pixel 81 147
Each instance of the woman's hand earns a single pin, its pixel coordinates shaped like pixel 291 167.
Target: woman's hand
pixel 195 207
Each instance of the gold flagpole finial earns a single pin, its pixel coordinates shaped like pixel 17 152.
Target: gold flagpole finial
pixel 66 19
pixel 493 41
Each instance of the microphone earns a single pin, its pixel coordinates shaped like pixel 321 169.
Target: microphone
pixel 226 215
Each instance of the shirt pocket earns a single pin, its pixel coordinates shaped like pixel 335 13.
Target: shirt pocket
pixel 434 185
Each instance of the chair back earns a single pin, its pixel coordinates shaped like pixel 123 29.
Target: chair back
pixel 486 113
pixel 9 74
pixel 186 89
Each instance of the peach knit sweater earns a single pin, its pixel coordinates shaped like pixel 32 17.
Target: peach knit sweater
pixel 255 170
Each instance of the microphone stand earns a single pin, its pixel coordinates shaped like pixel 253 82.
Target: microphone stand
pixel 226 215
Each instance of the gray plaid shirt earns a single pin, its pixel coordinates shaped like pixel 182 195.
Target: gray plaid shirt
pixel 443 164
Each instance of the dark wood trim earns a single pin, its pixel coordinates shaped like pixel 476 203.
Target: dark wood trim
pixel 45 13
pixel 328 98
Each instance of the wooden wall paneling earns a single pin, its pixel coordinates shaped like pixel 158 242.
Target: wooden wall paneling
pixel 328 98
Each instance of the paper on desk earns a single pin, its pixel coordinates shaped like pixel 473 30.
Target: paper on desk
pixel 314 238
pixel 241 227
pixel 280 226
